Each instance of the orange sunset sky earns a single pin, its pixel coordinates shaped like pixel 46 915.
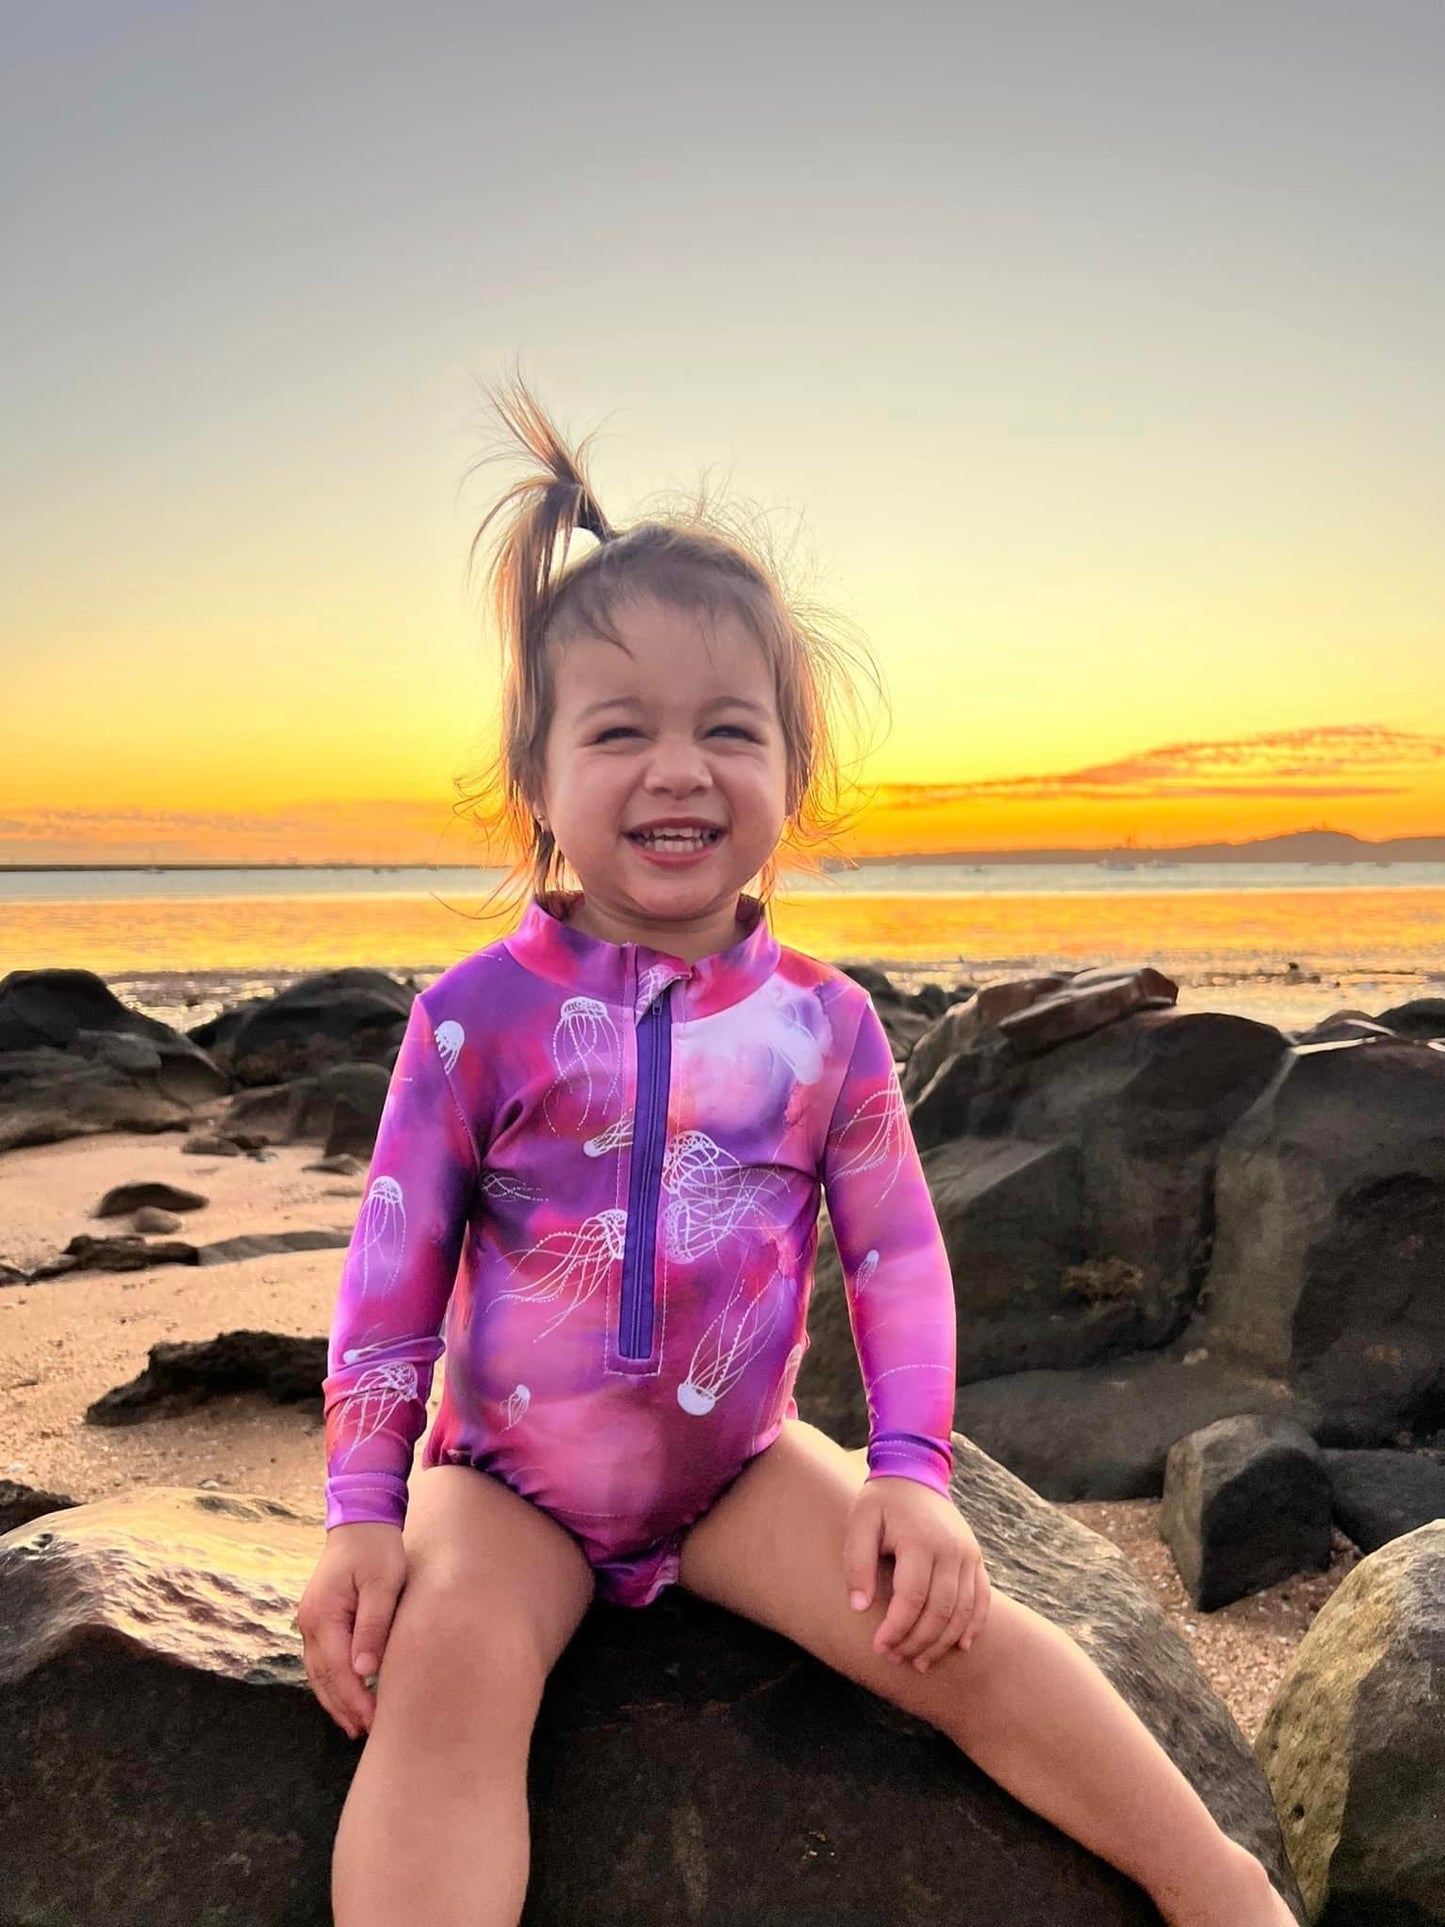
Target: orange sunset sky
pixel 1092 363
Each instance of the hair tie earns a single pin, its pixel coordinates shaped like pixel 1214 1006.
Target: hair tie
pixel 591 518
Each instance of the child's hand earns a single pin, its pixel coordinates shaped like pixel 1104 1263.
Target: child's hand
pixel 940 1590
pixel 345 1617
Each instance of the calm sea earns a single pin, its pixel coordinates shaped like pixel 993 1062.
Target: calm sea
pixel 1363 935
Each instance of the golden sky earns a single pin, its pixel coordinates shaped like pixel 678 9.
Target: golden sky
pixel 1096 370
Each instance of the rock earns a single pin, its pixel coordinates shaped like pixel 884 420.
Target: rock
pixel 1421 1017
pixel 1354 1742
pixel 182 1374
pixel 51 1007
pixel 19 1504
pixel 150 1219
pixel 1328 1260
pixel 266 1244
pixel 715 1771
pixel 1074 1192
pixel 204 1145
pixel 959 1027
pixel 1379 1496
pixel 75 1061
pixel 124 1198
pixel 128 1252
pixel 1246 1504
pixel 341 1165
pixel 335 1015
pixel 1105 1432
pixel 1090 999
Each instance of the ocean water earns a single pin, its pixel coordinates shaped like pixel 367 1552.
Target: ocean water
pixel 1287 943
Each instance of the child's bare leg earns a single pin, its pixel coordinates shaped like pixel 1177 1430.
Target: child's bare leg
pixel 435 1824
pixel 1025 1702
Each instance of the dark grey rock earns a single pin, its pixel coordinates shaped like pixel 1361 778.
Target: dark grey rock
pixel 1420 1017
pixel 716 1773
pixel 1354 1743
pixel 185 1373
pixel 125 1198
pixel 1105 1432
pixel 19 1504
pixel 333 1016
pixel 267 1244
pixel 1379 1496
pixel 1328 1261
pixel 1246 1504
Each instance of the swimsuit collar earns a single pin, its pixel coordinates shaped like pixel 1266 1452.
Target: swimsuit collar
pixel 633 974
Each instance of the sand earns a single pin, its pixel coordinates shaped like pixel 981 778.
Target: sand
pixel 66 1340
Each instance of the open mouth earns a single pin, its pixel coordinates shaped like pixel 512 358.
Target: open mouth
pixel 681 841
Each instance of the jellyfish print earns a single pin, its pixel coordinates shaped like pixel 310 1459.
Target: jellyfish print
pixel 585 1039
pixel 502 1184
pixel 864 1273
pixel 375 1399
pixel 650 985
pixel 516 1405
pixel 380 1234
pixel 876 1134
pixel 450 1038
pixel 714 1195
pixel 617 1134
pixel 774 1402
pixel 729 1345
pixel 569 1265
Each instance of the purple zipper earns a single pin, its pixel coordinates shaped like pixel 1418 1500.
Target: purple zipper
pixel 649 1132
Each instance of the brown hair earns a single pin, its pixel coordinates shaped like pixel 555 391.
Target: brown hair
pixel 699 558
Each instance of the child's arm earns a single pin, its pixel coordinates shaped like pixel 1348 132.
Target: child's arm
pixel 901 1306
pixel 395 1283
pixel 895 1267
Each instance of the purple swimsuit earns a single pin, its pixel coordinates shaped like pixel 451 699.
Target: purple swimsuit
pixel 624 1152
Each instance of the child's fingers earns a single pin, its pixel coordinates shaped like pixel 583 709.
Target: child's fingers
pixel 942 1596
pixel 952 1632
pixel 978 1610
pixel 860 1558
pixel 326 1637
pixel 912 1580
pixel 375 1610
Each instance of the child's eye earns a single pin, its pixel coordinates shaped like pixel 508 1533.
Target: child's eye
pixel 625 729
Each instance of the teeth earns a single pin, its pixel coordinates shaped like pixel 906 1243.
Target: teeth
pixel 676 839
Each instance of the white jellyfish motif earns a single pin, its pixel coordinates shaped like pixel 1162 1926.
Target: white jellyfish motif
pixel 799 1049
pixel 380 1235
pixel 653 981
pixel 572 1264
pixel 728 1346
pixel 584 1039
pixel 617 1134
pixel 864 1273
pixel 450 1038
pixel 714 1195
pixel 774 1401
pixel 876 1134
pixel 516 1406
pixel 502 1184
pixel 377 1396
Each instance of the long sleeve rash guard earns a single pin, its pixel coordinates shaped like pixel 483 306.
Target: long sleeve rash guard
pixel 595 1188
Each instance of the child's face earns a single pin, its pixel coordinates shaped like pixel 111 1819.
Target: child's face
pixel 681 726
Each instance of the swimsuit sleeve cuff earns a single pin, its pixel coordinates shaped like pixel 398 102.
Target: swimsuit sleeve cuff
pixel 928 1464
pixel 365 1498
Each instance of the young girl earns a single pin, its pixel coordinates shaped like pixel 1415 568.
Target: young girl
pixel 616 1121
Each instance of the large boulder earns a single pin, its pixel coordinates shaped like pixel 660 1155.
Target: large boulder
pixel 335 1016
pixel 75 1061
pixel 1328 1261
pixel 168 1765
pixel 1354 1743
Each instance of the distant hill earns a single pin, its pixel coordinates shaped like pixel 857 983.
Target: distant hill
pixel 1300 846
